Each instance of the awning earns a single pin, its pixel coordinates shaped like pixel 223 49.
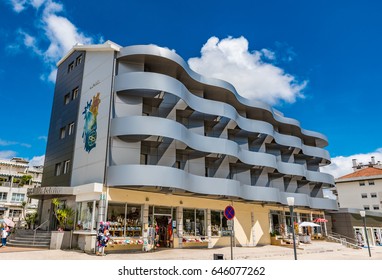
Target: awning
pixel 308 224
pixel 320 220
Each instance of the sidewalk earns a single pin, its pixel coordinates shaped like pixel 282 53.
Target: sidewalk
pixel 318 250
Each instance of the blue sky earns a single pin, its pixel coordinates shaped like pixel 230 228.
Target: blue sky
pixel 315 61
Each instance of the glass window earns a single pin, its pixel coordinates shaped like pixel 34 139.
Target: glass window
pixel 376 207
pixel 67 99
pixel 13 213
pixel 361 183
pixel 84 215
pixel 17 197
pixel 62 132
pixel 66 166
pixel 364 195
pixel 373 195
pixel 3 196
pixel 194 222
pixel 79 60
pixel 70 67
pixel 71 128
pixel 57 170
pixel 75 93
pixel 371 183
pixel 216 223
pixel 366 207
pixel 125 220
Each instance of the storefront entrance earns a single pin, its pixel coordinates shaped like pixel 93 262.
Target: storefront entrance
pixel 161 219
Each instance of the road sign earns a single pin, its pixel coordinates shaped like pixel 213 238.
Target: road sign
pixel 229 212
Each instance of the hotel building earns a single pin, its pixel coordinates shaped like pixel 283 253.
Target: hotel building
pixel 140 140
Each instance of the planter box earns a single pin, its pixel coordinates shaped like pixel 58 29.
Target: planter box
pixel 60 240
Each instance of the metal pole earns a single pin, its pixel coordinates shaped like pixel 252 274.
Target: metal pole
pixel 367 238
pixel 232 239
pixel 294 240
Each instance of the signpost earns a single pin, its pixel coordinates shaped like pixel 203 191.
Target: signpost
pixel 229 213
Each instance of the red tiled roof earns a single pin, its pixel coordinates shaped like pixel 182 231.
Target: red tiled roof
pixel 365 172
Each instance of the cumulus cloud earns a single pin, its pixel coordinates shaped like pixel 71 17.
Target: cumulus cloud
pixel 341 165
pixel 250 72
pixel 13 143
pixel 37 161
pixel 55 34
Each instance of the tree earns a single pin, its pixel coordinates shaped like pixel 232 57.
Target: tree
pixel 63 214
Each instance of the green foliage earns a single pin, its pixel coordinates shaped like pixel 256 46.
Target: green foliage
pixel 31 218
pixel 63 214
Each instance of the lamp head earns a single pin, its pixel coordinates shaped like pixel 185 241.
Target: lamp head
pixel 290 201
pixel 362 213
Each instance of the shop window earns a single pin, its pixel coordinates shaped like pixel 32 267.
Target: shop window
pixel 364 195
pixel 84 215
pixel 216 223
pixel 125 220
pixel 194 222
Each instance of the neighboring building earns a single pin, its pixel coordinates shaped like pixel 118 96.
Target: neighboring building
pixel 361 189
pixel 138 139
pixel 357 191
pixel 16 178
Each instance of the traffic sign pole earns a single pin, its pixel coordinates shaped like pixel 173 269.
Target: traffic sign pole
pixel 229 213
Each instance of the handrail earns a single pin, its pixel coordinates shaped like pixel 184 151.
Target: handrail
pixel 344 242
pixel 35 230
pixel 338 235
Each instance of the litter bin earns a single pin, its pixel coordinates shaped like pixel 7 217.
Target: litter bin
pixel 218 257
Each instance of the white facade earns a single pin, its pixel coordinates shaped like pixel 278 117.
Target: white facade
pixel 13 190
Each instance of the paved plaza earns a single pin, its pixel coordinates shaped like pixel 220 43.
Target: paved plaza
pixel 317 250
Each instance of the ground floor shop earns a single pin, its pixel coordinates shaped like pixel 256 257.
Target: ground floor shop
pixel 148 220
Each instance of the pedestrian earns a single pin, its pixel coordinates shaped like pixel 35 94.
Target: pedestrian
pixel 4 235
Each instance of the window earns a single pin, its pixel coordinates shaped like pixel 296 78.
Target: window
pixel 374 195
pixel 364 195
pixel 62 132
pixel 70 67
pixel 84 215
pixel 13 213
pixel 371 183
pixel 66 166
pixel 67 98
pixel 194 222
pixel 75 93
pixel 18 197
pixel 71 128
pixel 361 183
pixel 79 60
pixel 144 159
pixel 3 196
pixel 57 170
pixel 366 207
pixel 375 207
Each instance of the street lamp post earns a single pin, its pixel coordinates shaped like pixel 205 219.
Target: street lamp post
pixel 363 215
pixel 291 204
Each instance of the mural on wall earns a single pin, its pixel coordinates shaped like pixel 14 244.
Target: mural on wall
pixel 89 134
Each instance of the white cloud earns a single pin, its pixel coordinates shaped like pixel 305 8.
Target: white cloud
pixel 37 161
pixel 341 165
pixel 7 154
pixel 229 59
pixel 13 143
pixel 55 34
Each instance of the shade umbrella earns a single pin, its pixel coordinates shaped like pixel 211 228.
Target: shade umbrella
pixel 308 224
pixel 8 222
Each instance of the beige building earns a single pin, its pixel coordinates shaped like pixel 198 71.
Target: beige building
pixel 361 189
pixel 16 177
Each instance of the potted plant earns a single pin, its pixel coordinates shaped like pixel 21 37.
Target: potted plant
pixel 63 214
pixel 31 219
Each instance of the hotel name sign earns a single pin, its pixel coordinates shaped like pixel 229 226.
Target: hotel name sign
pixel 50 191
